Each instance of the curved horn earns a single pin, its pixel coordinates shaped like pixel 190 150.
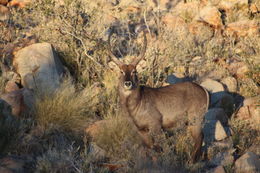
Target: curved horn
pixel 142 55
pixel 112 56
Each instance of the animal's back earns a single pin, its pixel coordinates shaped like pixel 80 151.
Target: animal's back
pixel 179 101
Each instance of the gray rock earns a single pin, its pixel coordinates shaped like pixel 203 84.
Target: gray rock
pixel 248 163
pixel 216 125
pixel 39 67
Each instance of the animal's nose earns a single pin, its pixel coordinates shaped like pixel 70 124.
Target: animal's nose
pixel 128 83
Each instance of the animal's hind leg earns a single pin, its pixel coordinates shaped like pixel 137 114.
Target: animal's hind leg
pixel 197 135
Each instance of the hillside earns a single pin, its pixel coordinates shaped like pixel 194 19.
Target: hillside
pixel 59 87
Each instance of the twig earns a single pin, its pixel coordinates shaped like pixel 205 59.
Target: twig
pixel 145 21
pixel 84 47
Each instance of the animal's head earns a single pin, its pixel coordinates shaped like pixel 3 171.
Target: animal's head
pixel 128 78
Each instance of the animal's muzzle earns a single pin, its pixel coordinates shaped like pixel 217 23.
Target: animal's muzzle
pixel 128 84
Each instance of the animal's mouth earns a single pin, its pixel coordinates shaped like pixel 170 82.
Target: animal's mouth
pixel 128 87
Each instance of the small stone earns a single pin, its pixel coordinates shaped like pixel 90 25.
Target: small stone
pixel 3 2
pixel 230 83
pixel 19 3
pixel 216 127
pixel 223 158
pixel 4 13
pixel 220 132
pixel 11 86
pixel 218 169
pixel 173 22
pixel 254 9
pixel 210 15
pixel 212 85
pixel 250 111
pixel 248 163
pixel 242 28
pixel 15 100
pixel 216 89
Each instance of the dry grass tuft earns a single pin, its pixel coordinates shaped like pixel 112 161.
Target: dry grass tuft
pixel 67 108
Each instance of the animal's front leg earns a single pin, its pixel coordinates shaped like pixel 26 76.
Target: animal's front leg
pixel 151 135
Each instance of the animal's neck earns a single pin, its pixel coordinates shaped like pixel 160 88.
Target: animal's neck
pixel 130 99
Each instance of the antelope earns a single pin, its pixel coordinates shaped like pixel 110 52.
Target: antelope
pixel 152 110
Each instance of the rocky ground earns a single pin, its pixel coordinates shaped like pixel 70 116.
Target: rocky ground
pixel 59 104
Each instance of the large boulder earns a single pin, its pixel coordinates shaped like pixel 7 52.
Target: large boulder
pixel 248 163
pixel 39 67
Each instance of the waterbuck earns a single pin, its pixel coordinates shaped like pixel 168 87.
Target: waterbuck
pixel 154 109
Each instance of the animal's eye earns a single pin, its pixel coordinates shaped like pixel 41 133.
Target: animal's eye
pixel 122 72
pixel 134 72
